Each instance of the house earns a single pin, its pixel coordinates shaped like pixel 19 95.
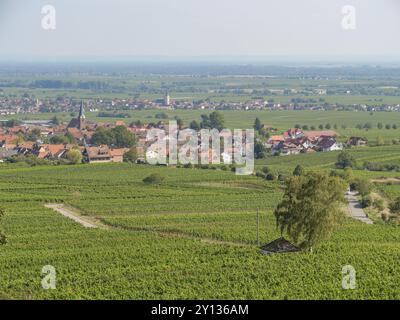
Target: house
pixel 117 155
pixel 120 123
pixel 6 153
pixel 50 151
pixel 357 142
pixel 100 154
pixel 293 133
pixel 326 144
pixel 314 135
pixel 280 245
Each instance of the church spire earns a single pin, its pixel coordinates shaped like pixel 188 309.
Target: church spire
pixel 82 111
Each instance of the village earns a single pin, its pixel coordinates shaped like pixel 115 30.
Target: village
pixel 53 140
pixel 295 141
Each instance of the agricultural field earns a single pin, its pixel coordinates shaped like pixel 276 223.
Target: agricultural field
pixel 193 237
pixel 346 121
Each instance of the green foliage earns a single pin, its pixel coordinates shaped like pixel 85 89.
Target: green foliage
pixel 154 178
pixel 394 206
pixel 366 201
pixel 194 125
pixel 260 152
pixel 131 155
pixel 311 208
pixel 74 156
pixel 60 139
pixel 214 121
pixel 345 160
pixel 257 124
pixel 119 137
pixel 298 171
pixel 361 185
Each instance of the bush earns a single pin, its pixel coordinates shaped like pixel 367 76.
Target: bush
pixel 395 206
pixel 298 171
pixel 154 178
pixel 345 160
pixel 378 204
pixel 270 177
pixel 266 170
pixel 362 186
pixel 366 201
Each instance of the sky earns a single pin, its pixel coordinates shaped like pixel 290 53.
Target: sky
pixel 200 28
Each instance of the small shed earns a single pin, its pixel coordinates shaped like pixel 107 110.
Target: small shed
pixel 280 245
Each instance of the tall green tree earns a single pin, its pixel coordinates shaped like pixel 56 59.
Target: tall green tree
pixel 311 208
pixel 257 124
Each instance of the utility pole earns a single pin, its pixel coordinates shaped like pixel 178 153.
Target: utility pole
pixel 258 228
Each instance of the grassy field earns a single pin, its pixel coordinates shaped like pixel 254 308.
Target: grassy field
pixel 192 237
pixel 282 120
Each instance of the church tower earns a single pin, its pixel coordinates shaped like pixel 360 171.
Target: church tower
pixel 81 117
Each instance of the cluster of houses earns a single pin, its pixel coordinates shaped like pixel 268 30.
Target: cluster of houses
pixel 12 142
pixel 296 141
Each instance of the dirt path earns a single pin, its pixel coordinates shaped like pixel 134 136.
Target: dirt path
pixel 87 222
pixel 355 209
pixel 384 180
pixel 91 222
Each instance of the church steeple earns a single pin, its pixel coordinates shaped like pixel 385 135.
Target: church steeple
pixel 81 117
pixel 82 111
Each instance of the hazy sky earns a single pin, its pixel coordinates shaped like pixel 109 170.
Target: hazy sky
pixel 201 28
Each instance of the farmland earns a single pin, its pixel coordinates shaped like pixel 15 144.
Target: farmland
pixel 191 237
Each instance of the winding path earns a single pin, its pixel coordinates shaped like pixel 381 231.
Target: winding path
pixel 355 209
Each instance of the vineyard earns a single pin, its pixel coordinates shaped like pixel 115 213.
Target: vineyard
pixel 194 236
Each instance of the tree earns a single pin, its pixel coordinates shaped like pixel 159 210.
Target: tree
pixel 55 121
pixel 154 178
pixel 298 171
pixel 363 186
pixel 328 126
pixel 194 125
pixel 3 238
pixel 260 152
pixel 380 141
pixel 59 139
pixel 311 208
pixel 380 125
pixel 102 136
pixel 217 120
pixel 345 160
pixel 131 155
pixel 179 123
pixel 122 137
pixel 214 121
pixel 119 137
pixel 74 156
pixel 257 124
pixel 394 206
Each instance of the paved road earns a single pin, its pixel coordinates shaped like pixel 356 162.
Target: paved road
pixel 355 209
pixel 72 215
